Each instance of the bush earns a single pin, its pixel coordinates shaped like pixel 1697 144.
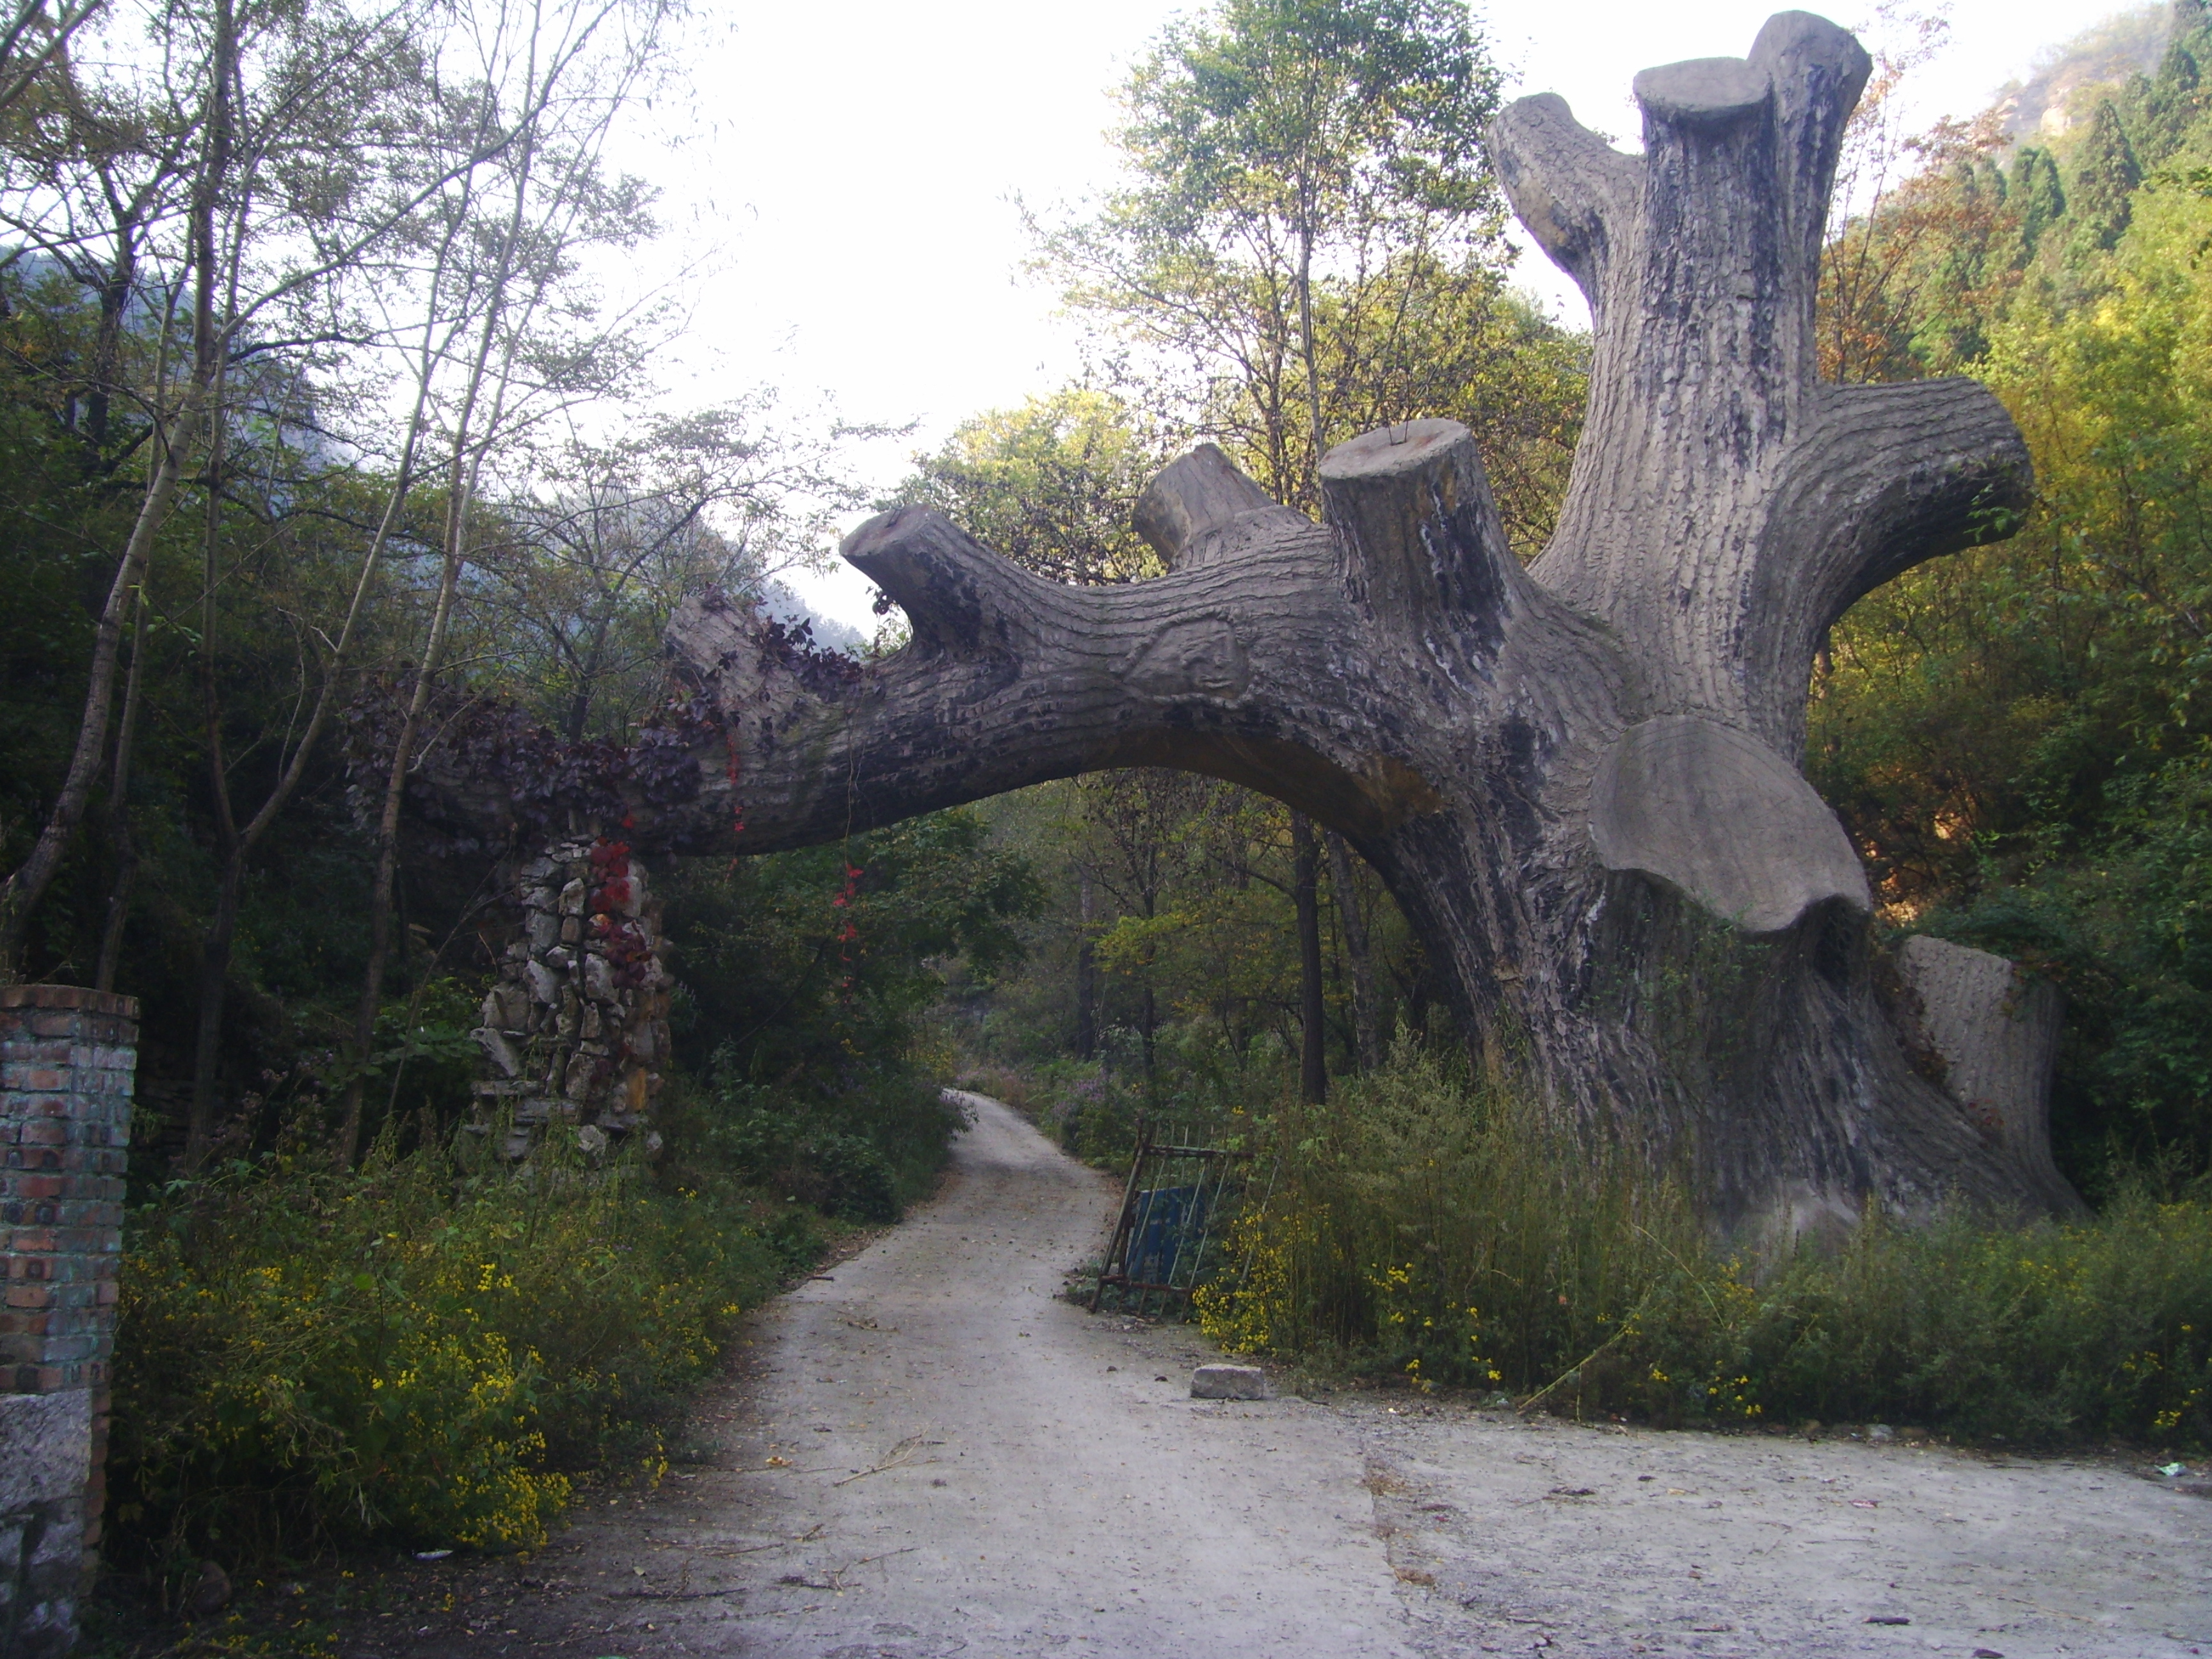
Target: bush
pixel 860 1149
pixel 1442 1234
pixel 424 1349
pixel 1201 1086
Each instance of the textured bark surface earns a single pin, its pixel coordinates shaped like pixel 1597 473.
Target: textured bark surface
pixel 1580 779
pixel 1995 1034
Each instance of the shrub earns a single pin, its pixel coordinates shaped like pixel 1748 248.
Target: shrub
pixel 860 1149
pixel 422 1348
pixel 1443 1234
pixel 1200 1086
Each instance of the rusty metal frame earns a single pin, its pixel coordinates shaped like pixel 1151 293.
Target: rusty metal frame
pixel 1158 1152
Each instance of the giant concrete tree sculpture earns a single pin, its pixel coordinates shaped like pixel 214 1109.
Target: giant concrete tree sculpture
pixel 1579 779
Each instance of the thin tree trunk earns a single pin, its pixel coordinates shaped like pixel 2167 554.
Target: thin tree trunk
pixel 460 480
pixel 117 291
pixel 470 447
pixel 215 952
pixel 387 826
pixel 1313 1063
pixel 1306 893
pixel 1148 1028
pixel 1308 350
pixel 28 884
pixel 1366 1043
pixel 1086 970
pixel 123 844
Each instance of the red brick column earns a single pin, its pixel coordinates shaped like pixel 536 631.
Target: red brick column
pixel 66 1061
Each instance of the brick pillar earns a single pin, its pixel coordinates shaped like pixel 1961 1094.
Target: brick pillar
pixel 66 1061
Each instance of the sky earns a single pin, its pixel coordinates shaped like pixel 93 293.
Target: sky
pixel 855 171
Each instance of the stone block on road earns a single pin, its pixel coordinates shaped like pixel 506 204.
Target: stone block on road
pixel 1229 1382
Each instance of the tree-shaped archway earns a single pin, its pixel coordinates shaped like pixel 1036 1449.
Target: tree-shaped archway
pixel 1579 778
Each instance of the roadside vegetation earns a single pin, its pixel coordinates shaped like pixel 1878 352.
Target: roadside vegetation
pixel 1432 1232
pixel 326 416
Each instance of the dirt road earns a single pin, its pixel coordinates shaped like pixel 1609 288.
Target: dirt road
pixel 924 1453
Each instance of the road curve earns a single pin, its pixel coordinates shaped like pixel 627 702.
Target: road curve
pixel 1042 1479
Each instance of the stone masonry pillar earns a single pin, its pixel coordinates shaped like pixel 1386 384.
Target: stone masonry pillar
pixel 67 1057
pixel 576 1029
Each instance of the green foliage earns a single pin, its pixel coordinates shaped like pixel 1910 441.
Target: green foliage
pixel 2036 194
pixel 1201 1084
pixel 426 1348
pixel 801 956
pixel 2016 736
pixel 1052 485
pixel 1162 970
pixel 862 1152
pixel 1329 116
pixel 1438 1234
pixel 2104 179
pixel 807 975
pixel 434 1348
pixel 1307 246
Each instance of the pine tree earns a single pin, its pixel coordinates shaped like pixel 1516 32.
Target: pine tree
pixel 2105 180
pixel 2037 194
pixel 2172 101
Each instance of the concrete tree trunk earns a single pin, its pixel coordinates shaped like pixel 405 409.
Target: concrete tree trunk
pixel 1580 779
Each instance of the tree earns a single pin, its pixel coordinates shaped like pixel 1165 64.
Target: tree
pixel 1353 910
pixel 240 132
pixel 260 402
pixel 2018 737
pixel 1311 227
pixel 1929 244
pixel 2175 96
pixel 30 41
pixel 2105 178
pixel 1579 780
pixel 1139 824
pixel 1308 243
pixel 2036 194
pixel 595 555
pixel 1052 483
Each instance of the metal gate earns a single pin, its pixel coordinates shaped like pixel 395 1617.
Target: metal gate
pixel 1168 1238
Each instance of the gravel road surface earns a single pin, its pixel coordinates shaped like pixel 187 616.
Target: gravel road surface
pixel 923 1453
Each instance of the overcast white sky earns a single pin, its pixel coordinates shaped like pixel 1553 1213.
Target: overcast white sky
pixel 857 166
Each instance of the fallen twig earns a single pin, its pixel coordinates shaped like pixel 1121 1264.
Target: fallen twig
pixel 1575 1370
pixel 837 1578
pixel 902 1454
pixel 807 1537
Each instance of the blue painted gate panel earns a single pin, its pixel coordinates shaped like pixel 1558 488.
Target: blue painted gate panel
pixel 1169 1222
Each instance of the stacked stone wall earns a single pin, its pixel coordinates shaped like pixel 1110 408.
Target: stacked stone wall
pixel 67 1059
pixel 576 1029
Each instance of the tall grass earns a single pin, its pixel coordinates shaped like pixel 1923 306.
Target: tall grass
pixel 1443 1234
